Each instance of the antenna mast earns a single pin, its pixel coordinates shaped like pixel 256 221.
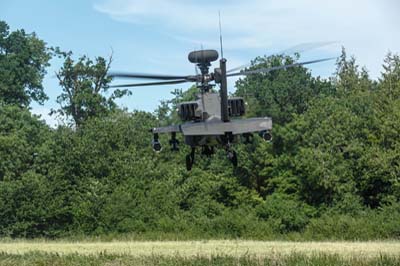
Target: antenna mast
pixel 220 34
pixel 223 81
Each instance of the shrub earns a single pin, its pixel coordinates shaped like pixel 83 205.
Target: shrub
pixel 285 213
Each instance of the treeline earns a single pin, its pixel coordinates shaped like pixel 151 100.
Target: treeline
pixel 331 172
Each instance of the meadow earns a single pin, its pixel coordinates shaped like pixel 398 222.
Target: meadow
pixel 212 252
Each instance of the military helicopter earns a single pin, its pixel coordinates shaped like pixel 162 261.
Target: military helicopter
pixel 210 120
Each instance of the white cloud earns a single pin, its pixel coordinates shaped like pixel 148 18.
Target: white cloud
pixel 366 28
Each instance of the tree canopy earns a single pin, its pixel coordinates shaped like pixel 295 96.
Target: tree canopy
pixel 84 85
pixel 23 59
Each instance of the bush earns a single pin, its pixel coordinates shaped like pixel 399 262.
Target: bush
pixel 286 214
pixel 368 224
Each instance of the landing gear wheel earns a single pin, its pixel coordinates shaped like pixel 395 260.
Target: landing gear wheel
pixel 189 162
pixel 190 159
pixel 232 156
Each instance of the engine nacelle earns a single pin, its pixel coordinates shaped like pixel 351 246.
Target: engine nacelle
pixel 187 111
pixel 236 106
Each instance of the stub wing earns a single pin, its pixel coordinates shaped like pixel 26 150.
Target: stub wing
pixel 168 129
pixel 215 128
pixel 235 127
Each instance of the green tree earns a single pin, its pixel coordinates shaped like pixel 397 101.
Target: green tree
pixel 348 78
pixel 84 83
pixel 23 61
pixel 279 94
pixel 21 136
pixel 26 202
pixel 390 80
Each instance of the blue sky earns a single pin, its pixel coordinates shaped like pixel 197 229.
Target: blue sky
pixel 156 35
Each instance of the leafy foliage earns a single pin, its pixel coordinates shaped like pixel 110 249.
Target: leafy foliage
pixel 84 84
pixel 281 93
pixel 23 60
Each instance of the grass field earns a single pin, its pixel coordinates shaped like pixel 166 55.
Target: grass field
pixel 233 248
pixel 214 252
pixel 42 259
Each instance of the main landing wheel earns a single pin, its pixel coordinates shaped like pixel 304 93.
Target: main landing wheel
pixel 190 160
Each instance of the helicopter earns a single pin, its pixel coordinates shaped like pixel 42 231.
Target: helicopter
pixel 212 120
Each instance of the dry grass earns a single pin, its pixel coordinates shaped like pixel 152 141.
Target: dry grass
pixel 206 248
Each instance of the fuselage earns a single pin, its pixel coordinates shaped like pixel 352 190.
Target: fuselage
pixel 206 113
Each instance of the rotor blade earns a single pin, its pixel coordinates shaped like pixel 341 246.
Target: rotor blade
pixel 299 48
pixel 266 70
pixel 304 47
pixel 145 76
pixel 149 84
pixel 239 68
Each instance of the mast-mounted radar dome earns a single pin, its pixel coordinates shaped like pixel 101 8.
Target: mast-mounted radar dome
pixel 203 56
